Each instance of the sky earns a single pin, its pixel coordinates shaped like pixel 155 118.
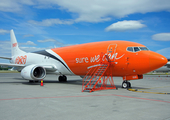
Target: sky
pixel 45 24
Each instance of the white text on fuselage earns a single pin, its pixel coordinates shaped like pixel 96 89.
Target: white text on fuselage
pixel 97 58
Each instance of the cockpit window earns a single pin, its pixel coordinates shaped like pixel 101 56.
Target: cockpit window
pixel 144 48
pixel 130 49
pixel 136 49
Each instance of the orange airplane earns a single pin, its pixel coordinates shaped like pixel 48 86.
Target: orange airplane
pixel 129 60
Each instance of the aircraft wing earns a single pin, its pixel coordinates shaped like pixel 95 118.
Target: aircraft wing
pixel 50 67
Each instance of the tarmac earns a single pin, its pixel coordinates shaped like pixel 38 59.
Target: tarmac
pixel 21 100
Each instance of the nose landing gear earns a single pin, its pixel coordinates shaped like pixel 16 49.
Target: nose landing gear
pixel 126 84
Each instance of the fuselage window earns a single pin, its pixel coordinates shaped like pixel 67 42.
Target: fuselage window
pixel 136 49
pixel 130 49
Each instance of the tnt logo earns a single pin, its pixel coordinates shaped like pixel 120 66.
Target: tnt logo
pixel 21 60
pixel 14 45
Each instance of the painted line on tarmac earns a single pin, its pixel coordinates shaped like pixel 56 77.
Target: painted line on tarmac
pixel 157 78
pixel 154 87
pixel 143 98
pixel 138 90
pixel 87 96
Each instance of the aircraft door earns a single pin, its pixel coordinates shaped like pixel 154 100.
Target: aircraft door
pixel 111 51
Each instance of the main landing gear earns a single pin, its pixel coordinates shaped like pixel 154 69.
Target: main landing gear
pixel 33 81
pixel 126 84
pixel 62 78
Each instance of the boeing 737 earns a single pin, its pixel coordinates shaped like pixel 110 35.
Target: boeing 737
pixel 130 60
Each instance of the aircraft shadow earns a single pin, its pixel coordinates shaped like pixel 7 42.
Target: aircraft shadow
pixel 73 82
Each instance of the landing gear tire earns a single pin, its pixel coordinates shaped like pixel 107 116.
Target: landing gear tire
pixel 129 85
pixel 31 81
pixel 36 81
pixel 62 78
pixel 126 84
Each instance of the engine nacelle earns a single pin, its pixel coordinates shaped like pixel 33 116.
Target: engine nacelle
pixel 33 72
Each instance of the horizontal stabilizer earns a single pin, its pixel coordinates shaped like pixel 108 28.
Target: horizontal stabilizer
pixel 12 65
pixel 21 66
pixel 6 58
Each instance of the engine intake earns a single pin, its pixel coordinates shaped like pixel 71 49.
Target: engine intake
pixel 33 72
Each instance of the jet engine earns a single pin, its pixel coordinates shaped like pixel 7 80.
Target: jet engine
pixel 33 72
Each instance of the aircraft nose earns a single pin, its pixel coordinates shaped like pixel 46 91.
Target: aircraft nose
pixel 156 61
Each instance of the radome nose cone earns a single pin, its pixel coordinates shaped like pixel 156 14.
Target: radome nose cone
pixel 156 60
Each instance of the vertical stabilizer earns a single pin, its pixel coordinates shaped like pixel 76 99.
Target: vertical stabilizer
pixel 14 45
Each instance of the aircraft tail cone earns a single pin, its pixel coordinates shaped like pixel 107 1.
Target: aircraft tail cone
pixel 41 83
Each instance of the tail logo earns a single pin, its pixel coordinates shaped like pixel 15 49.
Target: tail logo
pixel 21 60
pixel 14 45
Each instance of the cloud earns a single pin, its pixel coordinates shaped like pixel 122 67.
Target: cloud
pixel 164 52
pixel 125 25
pixel 14 5
pixel 88 10
pixel 5 46
pixel 28 43
pixel 2 31
pixel 31 49
pixel 161 37
pixel 58 42
pixel 47 40
pixel 28 35
pixel 102 10
pixel 50 22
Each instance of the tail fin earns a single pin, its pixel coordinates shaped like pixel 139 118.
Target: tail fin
pixel 14 45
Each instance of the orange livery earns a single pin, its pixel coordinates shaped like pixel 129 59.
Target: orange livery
pixel 129 60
